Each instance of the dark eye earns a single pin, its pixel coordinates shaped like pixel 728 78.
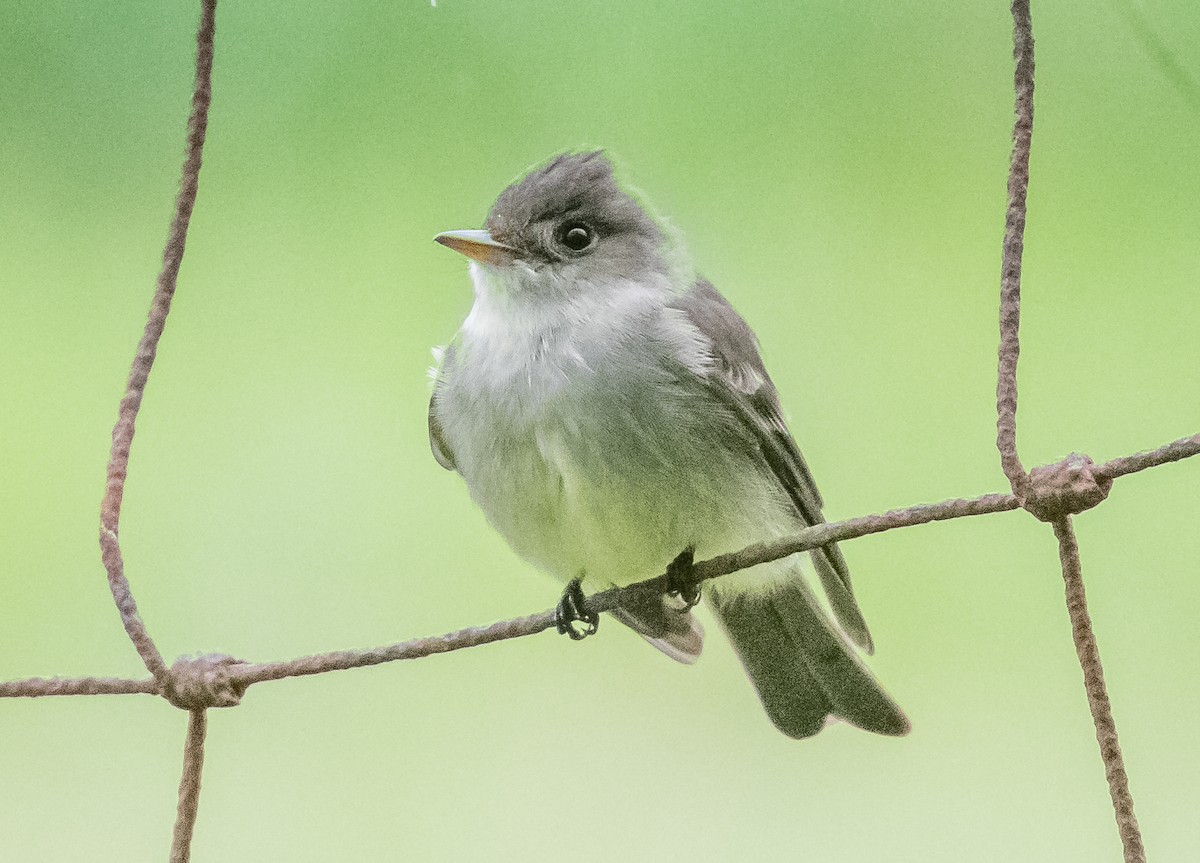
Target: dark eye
pixel 576 236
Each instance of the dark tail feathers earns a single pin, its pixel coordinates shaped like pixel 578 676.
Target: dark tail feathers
pixel 803 669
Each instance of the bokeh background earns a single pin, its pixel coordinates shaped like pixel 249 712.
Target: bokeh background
pixel 838 170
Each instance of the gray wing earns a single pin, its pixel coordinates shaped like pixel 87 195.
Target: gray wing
pixel 740 381
pixel 437 437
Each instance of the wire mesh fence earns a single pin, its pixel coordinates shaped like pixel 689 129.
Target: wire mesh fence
pixel 1052 493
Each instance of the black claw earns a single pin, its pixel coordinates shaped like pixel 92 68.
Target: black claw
pixel 571 610
pixel 679 578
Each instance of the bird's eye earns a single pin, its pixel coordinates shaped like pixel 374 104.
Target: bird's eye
pixel 576 236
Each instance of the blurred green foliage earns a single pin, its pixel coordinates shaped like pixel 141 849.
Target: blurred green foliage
pixel 838 170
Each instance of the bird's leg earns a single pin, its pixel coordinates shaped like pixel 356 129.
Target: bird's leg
pixel 679 578
pixel 572 610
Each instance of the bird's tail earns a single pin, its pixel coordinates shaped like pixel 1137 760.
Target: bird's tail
pixel 803 668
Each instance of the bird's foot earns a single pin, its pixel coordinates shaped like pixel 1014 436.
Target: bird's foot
pixel 679 578
pixel 571 616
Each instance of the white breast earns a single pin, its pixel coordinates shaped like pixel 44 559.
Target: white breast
pixel 579 440
pixel 587 449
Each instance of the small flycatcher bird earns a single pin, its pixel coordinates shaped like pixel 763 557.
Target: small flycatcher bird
pixel 611 416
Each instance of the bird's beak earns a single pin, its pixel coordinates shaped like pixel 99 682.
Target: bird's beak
pixel 477 245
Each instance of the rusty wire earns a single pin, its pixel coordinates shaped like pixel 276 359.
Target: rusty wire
pixel 189 787
pixel 1052 493
pixel 1014 245
pixel 1174 451
pixel 196 674
pixel 1097 693
pixel 147 349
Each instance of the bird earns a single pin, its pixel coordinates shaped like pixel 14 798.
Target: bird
pixel 611 415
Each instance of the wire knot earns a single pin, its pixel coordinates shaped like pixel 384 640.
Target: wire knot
pixel 203 681
pixel 1064 488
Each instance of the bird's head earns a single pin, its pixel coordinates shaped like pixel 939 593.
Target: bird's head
pixel 566 227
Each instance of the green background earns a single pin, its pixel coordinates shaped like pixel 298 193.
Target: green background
pixel 838 170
